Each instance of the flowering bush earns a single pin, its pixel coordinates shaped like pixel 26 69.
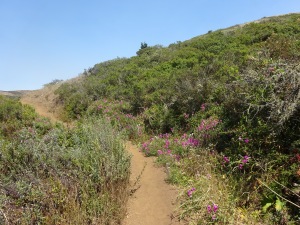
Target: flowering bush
pixel 117 113
pixel 170 144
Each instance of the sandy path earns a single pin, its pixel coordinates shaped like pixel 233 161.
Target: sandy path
pixel 152 200
pixel 43 101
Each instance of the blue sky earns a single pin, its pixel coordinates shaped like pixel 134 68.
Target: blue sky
pixel 57 39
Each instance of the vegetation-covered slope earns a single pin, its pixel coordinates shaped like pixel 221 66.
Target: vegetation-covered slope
pixel 185 75
pixel 53 175
pixel 235 92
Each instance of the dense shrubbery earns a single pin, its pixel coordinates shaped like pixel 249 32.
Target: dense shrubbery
pixel 51 175
pixel 236 93
pixel 13 116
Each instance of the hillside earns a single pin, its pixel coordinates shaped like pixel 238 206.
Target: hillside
pixel 15 94
pixel 219 111
pixel 45 99
pixel 233 92
pixel 151 77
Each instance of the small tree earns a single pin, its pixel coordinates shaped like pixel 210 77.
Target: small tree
pixel 144 45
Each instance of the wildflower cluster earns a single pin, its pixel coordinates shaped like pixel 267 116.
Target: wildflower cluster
pixel 226 160
pixel 207 131
pixel 212 211
pixel 169 144
pixel 208 124
pixel 190 192
pixel 244 161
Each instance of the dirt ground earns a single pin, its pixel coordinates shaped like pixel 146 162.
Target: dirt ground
pixel 153 201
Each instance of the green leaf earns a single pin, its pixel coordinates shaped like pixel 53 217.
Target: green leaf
pixel 278 205
pixel 266 206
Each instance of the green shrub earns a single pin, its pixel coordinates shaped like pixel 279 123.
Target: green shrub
pixel 13 116
pixel 56 176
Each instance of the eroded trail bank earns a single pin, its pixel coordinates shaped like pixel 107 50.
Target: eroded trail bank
pixel 153 200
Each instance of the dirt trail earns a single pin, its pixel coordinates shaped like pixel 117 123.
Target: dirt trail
pixel 43 101
pixel 152 200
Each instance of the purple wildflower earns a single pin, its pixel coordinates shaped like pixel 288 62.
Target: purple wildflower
pixel 246 140
pixel 226 159
pixel 167 144
pixel 246 159
pixel 184 144
pixel 190 192
pixel 145 144
pixel 215 207
pixel 209 209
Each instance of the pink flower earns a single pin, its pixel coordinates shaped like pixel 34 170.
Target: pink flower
pixel 246 140
pixel 241 166
pixel 159 152
pixel 190 192
pixel 226 159
pixel 214 217
pixel 215 207
pixel 167 144
pixel 209 209
pixel 246 159
pixel 145 144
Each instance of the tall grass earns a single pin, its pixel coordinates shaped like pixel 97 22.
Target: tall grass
pixel 77 176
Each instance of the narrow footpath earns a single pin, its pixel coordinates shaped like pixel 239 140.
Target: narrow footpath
pixel 152 200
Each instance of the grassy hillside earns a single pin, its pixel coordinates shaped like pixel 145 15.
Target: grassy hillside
pixel 224 105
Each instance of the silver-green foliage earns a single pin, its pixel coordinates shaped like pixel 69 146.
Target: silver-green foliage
pixel 76 176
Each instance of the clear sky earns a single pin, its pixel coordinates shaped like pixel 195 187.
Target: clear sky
pixel 43 40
